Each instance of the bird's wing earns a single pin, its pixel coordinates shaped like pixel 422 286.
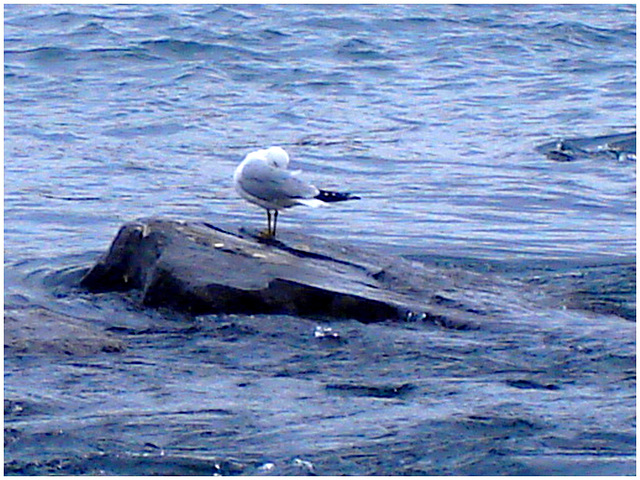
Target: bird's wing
pixel 273 184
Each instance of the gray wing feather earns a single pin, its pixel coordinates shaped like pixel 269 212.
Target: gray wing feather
pixel 274 184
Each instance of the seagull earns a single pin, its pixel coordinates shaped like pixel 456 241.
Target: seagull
pixel 262 178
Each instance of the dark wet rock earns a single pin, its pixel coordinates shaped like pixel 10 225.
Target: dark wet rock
pixel 140 464
pixel 608 289
pixel 15 409
pixel 198 268
pixel 201 269
pixel 620 146
pixel 37 330
pixel 531 384
pixel 377 391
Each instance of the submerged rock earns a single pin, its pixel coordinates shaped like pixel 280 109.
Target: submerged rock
pixel 619 146
pixel 37 330
pixel 201 269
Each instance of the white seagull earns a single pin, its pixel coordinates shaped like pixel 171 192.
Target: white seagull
pixel 262 178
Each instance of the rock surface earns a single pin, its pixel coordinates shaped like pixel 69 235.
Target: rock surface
pixel 199 268
pixel 619 146
pixel 38 330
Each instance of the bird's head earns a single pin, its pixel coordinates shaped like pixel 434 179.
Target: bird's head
pixel 277 157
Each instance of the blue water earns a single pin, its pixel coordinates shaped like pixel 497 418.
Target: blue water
pixel 430 113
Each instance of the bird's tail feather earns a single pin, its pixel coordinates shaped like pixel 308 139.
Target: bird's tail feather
pixel 328 197
pixel 310 202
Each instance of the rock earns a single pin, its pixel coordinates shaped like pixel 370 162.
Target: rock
pixel 607 288
pixel 201 269
pixel 37 330
pixel 619 146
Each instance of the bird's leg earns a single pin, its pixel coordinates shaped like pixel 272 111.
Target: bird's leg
pixel 270 232
pixel 268 223
pixel 275 221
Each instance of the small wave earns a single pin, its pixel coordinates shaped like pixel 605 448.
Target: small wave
pixel 188 47
pixel 411 21
pixel 63 137
pixel 224 13
pixel 95 29
pixel 579 35
pixel 43 53
pixel 67 198
pixel 193 50
pixel 146 130
pixel 360 49
pixel 270 33
pixel 334 22
pixel 48 20
pixel 103 53
pixel 59 55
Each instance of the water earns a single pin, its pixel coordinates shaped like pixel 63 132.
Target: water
pixel 432 114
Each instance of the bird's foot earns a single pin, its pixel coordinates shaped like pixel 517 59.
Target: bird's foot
pixel 266 235
pixel 268 238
